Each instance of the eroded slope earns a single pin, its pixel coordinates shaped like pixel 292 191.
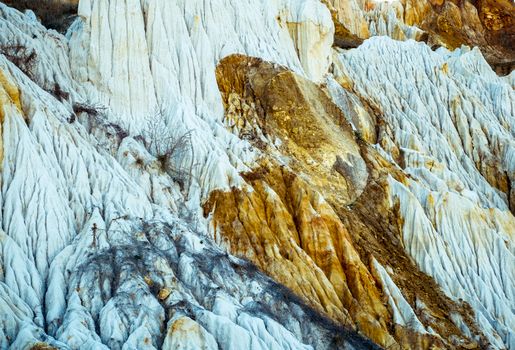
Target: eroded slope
pixel 380 197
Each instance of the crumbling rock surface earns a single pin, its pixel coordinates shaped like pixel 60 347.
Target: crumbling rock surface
pixel 451 23
pixel 488 24
pixel 217 174
pixel 434 129
pixel 293 225
pixel 141 282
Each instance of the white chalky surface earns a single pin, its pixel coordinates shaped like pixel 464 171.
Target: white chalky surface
pixel 448 113
pixel 99 249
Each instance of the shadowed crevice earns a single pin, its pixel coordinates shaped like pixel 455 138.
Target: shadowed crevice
pixel 53 14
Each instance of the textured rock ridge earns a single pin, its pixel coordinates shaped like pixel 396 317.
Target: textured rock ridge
pixel 287 215
pixel 257 175
pixel 414 148
pixel 487 24
pixel 143 281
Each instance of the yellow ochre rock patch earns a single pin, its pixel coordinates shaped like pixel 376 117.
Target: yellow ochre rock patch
pixel 292 217
pixel 285 114
pixel 9 93
pixel 488 24
pixel 289 231
pixel 9 96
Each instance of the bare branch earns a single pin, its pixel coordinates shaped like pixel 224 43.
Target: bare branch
pixel 171 151
pixel 21 56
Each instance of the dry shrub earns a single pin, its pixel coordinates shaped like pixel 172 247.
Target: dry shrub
pixel 90 109
pixel 171 151
pixel 22 57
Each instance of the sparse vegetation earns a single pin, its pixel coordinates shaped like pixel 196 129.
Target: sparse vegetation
pixel 139 162
pixel 359 136
pixel 22 57
pixel 90 109
pixel 58 93
pixel 175 154
pixel 26 59
pixel 97 118
pixel 117 130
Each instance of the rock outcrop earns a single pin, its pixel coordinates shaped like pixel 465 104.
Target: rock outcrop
pixel 278 213
pixel 486 24
pixel 230 175
pixel 433 129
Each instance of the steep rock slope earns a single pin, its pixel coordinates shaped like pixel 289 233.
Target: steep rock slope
pixel 448 114
pixel 95 254
pixel 285 117
pixel 150 142
pixel 487 24
pixel 450 23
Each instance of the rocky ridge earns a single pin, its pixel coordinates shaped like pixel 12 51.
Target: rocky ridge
pixel 168 182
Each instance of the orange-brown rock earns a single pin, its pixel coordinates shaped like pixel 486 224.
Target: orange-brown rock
pixel 183 330
pixel 487 24
pixel 376 232
pixel 292 217
pixel 42 346
pixel 268 104
pixel 281 222
pixel 496 15
pixel 349 23
pixel 290 232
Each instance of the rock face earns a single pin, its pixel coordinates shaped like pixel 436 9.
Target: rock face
pixel 350 24
pixel 273 109
pixel 349 13
pixel 55 14
pixel 428 132
pixel 486 24
pixel 226 175
pixel 281 221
